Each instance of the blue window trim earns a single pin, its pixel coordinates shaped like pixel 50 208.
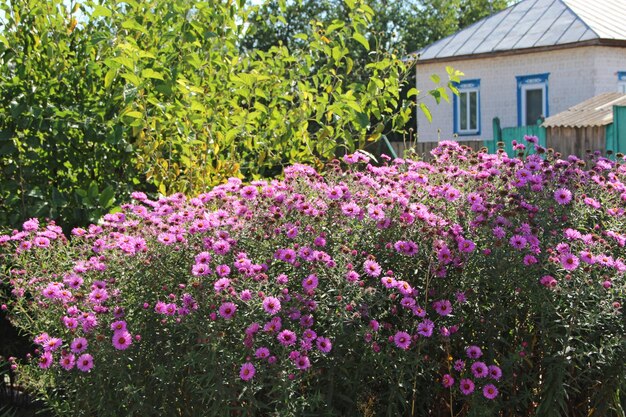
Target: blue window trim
pixel 621 76
pixel 522 80
pixel 465 84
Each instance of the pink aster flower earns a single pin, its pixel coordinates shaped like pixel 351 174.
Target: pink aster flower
pixel 79 345
pixel 563 196
pixel 490 391
pixel 447 381
pixel 569 261
pixel 425 328
pixel 350 209
pixel 271 305
pixel 262 353
pixel 303 362
pixel 30 225
pixel 121 340
pixel 548 281
pixel 41 242
pixel 388 282
pixel 203 258
pixel 227 310
pixel 404 288
pixel 408 248
pixel 287 338
pixel 402 340
pixel 473 352
pixel 85 362
pixel 166 238
pixel 118 325
pixel 45 360
pixel 249 192
pixel 466 245
pixel 309 335
pixel 323 344
pixel 221 284
pixel 98 296
pixel 52 344
pixel 221 247
pixel 310 283
pixel 372 268
pixel 352 276
pixel 466 386
pixel 518 242
pixel 70 322
pixel 247 371
pixel 222 270
pixel 495 372
pixel 200 270
pixel 443 307
pixel 67 362
pixel 480 370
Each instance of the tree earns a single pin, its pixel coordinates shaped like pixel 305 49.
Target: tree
pixel 404 26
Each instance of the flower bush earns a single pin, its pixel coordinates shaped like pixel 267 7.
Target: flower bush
pixel 476 284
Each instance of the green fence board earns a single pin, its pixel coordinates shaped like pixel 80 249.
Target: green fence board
pixel 618 133
pixel 509 134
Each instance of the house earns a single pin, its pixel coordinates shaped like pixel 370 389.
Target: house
pixel 527 62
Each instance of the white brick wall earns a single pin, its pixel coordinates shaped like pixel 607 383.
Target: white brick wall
pixel 576 74
pixel 608 61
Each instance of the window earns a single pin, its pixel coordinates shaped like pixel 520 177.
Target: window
pixel 621 82
pixel 467 108
pixel 532 98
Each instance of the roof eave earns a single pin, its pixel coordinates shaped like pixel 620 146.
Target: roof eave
pixel 593 42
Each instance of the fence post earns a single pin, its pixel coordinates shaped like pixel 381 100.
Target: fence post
pixel 619 128
pixel 492 145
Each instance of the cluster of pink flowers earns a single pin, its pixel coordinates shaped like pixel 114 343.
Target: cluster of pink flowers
pixel 380 249
pixel 479 371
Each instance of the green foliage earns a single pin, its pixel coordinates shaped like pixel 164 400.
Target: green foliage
pixel 219 112
pixel 63 153
pixel 403 26
pixel 162 96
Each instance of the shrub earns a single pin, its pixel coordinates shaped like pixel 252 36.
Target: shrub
pixel 111 97
pixel 473 285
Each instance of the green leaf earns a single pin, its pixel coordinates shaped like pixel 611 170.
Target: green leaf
pixel 150 73
pixel 129 76
pixel 107 197
pixel 336 25
pixel 109 77
pixel 134 114
pixel 100 11
pixel 362 40
pixel 362 119
pixel 132 24
pixel 426 112
pixel 412 92
pixel 93 190
pixel 435 78
pixel 126 61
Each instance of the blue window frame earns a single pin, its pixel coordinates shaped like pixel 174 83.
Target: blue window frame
pixel 532 98
pixel 466 108
pixel 621 82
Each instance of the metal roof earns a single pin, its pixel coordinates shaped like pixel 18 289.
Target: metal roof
pixel 533 24
pixel 597 111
